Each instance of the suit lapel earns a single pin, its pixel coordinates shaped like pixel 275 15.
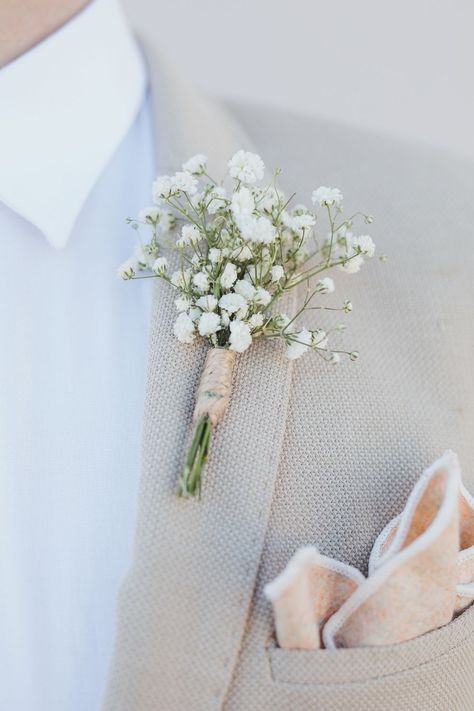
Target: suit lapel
pixel 185 602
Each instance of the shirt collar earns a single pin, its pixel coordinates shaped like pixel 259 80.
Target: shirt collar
pixel 66 106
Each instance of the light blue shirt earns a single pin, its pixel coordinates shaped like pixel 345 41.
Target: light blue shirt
pixel 73 348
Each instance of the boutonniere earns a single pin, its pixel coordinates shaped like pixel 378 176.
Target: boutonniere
pixel 231 250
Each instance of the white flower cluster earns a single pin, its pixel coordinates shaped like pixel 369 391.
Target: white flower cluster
pixel 237 248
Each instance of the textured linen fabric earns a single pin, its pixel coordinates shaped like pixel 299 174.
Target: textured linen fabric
pixel 73 345
pixel 306 454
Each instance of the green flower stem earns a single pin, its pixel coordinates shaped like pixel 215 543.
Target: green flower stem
pixel 190 481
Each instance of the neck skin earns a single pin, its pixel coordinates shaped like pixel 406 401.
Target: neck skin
pixel 24 23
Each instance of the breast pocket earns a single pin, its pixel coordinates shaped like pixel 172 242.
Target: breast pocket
pixel 434 672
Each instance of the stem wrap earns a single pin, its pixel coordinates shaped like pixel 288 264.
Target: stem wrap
pixel 215 386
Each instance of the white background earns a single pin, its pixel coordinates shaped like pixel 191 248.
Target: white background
pixel 405 67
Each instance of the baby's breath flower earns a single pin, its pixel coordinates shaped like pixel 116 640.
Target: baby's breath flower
pixel 256 321
pixel 215 255
pixel 246 167
pixel 127 269
pixel 228 276
pixel 259 230
pixel 163 188
pixel 347 306
pixel 166 221
pixel 190 235
pixel 245 289
pixel 185 182
pixel 182 304
pixel 160 265
pixel 327 196
pixel 240 337
pixel 184 328
pixel 365 244
pixel 298 344
pixel 233 303
pixel 326 285
pixel 196 165
pixel 243 253
pixel 335 358
pixel 281 320
pixel 149 214
pixel 242 204
pixel 352 265
pixel 181 279
pixel 262 296
pixel 207 303
pixel 201 282
pixel 277 273
pixel 209 323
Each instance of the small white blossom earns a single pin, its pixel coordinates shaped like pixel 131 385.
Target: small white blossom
pixel 160 265
pixel 335 358
pixel 242 253
pixel 194 314
pixel 232 303
pixel 247 167
pixel 166 221
pixel 201 281
pixel 228 276
pixel 181 279
pixel 149 214
pixel 185 182
pixel 127 269
pixel 162 188
pixel 277 273
pixel 256 321
pixel 182 304
pixel 353 264
pixel 207 303
pixel 216 200
pixel 365 244
pixel 225 319
pixel 190 235
pixel 327 196
pixel 347 306
pixel 298 345
pixel 242 204
pixel 262 296
pixel 184 328
pixel 240 337
pixel 259 230
pixel 245 289
pixel 209 323
pixel 326 285
pixel 215 255
pixel 282 320
pixel 196 165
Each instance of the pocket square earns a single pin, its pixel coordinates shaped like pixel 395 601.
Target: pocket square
pixel 413 589
pixel 310 589
pixel 421 572
pixel 465 580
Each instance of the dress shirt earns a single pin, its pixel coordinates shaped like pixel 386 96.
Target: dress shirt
pixel 77 157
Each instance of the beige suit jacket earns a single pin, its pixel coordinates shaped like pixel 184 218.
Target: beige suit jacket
pixel 307 454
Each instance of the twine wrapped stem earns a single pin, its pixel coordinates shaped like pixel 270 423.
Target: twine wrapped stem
pixel 212 401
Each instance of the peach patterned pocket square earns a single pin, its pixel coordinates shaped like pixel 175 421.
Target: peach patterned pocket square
pixel 465 578
pixel 310 589
pixel 418 576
